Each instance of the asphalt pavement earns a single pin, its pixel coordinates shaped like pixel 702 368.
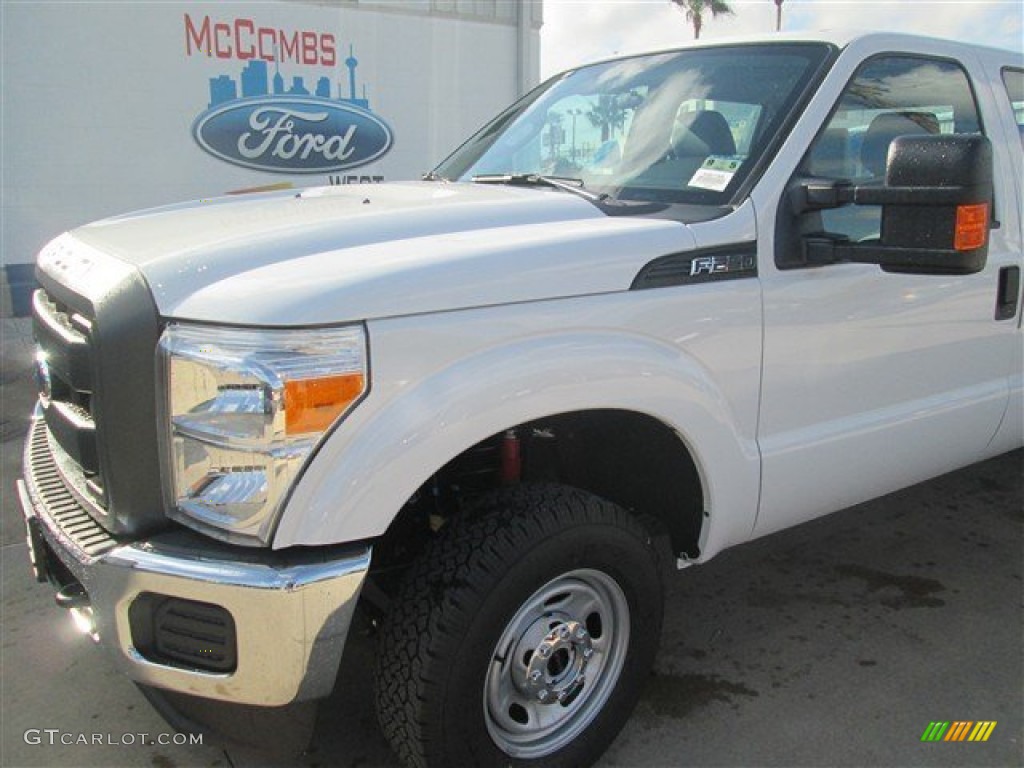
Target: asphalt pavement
pixel 835 643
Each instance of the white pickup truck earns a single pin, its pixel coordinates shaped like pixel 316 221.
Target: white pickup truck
pixel 496 407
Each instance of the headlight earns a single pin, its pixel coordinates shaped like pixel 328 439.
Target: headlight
pixel 243 410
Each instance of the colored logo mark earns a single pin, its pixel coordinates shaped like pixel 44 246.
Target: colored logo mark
pixel 302 134
pixel 959 730
pixel 288 129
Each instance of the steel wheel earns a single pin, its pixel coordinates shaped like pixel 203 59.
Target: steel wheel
pixel 523 634
pixel 556 664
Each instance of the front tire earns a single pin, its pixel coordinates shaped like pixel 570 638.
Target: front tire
pixel 523 635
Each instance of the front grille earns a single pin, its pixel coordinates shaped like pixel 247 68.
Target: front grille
pixel 66 394
pixel 62 505
pixel 98 392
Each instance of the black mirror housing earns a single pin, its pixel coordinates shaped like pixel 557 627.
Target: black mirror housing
pixel 936 205
pixel 947 237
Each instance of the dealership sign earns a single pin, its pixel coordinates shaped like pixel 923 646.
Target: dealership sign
pixel 292 135
pixel 267 123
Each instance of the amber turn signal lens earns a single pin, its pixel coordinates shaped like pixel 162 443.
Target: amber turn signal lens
pixel 971 227
pixel 312 405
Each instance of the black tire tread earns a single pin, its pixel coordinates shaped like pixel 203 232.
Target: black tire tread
pixel 451 579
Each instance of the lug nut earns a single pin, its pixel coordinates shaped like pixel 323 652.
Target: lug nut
pixel 542 694
pixel 588 652
pixel 544 651
pixel 564 633
pixel 535 676
pixel 581 633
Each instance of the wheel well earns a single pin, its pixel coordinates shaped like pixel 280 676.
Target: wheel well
pixel 629 458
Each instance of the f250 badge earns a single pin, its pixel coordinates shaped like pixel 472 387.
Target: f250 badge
pixel 286 127
pixel 722 264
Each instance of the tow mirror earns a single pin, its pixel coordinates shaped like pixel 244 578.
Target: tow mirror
pixel 936 208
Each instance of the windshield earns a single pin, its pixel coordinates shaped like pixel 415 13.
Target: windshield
pixel 680 127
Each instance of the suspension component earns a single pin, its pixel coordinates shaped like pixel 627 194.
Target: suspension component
pixel 511 469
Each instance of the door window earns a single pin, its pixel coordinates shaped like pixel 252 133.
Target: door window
pixel 889 96
pixel 1013 79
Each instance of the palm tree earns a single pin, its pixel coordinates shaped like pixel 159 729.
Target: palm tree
pixel 608 115
pixel 695 10
pixel 555 132
pixel 778 15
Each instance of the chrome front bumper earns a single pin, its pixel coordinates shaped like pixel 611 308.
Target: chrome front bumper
pixel 291 612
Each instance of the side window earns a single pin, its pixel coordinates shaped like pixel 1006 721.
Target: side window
pixel 889 96
pixel 1013 79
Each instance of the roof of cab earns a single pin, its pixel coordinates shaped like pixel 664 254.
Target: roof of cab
pixel 841 38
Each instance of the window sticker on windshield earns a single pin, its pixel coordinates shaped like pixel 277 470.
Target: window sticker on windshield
pixel 716 172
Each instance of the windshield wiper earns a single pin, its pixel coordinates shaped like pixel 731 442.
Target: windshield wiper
pixel 432 176
pixel 564 183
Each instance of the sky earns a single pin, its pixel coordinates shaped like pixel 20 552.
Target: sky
pixel 578 31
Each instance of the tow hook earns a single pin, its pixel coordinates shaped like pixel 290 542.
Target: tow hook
pixel 72 596
pixel 76 600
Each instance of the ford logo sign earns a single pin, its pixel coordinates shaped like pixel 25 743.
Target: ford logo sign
pixel 292 134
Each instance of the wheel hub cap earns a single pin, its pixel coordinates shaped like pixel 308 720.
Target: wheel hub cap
pixel 555 670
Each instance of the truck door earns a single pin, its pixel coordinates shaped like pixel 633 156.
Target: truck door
pixel 874 380
pixel 1008 84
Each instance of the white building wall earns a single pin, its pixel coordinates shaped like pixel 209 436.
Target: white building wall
pixel 99 99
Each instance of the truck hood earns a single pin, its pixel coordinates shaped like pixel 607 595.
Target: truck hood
pixel 349 253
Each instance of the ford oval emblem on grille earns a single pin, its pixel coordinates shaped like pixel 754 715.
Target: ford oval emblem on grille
pixel 292 134
pixel 43 384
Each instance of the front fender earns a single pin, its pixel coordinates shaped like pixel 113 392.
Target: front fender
pixel 443 383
